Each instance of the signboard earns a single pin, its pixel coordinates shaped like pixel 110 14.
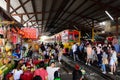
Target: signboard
pixel 31 33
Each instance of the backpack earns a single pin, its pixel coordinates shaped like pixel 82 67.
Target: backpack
pixel 57 75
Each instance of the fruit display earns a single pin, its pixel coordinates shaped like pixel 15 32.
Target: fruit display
pixel 5 66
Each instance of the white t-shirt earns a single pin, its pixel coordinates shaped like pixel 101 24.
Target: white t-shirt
pixel 51 72
pixel 16 74
pixel 114 56
pixel 74 48
pixel 98 50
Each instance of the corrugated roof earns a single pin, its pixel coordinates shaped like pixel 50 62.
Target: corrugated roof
pixel 56 15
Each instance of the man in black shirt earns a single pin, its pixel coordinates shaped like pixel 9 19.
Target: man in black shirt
pixel 77 74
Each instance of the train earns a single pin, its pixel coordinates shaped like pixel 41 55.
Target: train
pixel 67 37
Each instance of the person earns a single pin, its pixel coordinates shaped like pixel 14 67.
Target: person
pixel 104 59
pixel 27 75
pixel 89 54
pixel 41 71
pixel 52 59
pixel 51 70
pixel 60 55
pixel 18 50
pixel 37 78
pixel 61 45
pixel 117 47
pixel 99 50
pixel 42 47
pixel 113 60
pixel 17 72
pixel 94 55
pixel 77 74
pixel 81 47
pixel 75 53
pixel 29 63
pixel 30 52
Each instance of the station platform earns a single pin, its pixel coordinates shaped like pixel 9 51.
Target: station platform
pixel 92 72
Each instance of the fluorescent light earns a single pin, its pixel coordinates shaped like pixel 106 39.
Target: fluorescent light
pixel 109 15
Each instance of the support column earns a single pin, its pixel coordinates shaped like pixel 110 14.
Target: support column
pixel 21 39
pixel 117 27
pixel 80 37
pixel 26 24
pixel 93 31
pixel 21 19
pixel 8 6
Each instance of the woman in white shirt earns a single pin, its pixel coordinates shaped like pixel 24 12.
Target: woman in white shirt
pixel 17 72
pixel 60 55
pixel 113 60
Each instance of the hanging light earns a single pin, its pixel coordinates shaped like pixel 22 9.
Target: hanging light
pixel 109 15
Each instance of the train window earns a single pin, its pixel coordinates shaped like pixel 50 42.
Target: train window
pixel 71 37
pixel 76 35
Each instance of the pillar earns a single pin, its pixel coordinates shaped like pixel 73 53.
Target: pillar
pixel 21 16
pixel 117 27
pixel 8 6
pixel 93 31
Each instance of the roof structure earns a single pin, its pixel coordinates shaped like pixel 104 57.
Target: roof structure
pixel 56 15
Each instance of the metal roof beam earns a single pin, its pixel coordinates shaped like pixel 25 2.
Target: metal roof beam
pixel 33 24
pixel 31 13
pixel 62 6
pixel 20 6
pixel 71 13
pixel 24 9
pixel 38 20
pixel 104 6
pixel 34 9
pixel 43 11
pixel 70 5
pixel 29 19
pixel 8 6
pixel 79 15
pixel 12 7
pixel 51 10
pixel 99 9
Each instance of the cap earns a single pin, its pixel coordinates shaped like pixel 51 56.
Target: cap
pixel 77 67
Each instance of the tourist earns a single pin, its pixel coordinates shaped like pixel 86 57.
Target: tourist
pixel 89 54
pixel 77 74
pixel 113 60
pixel 41 71
pixel 104 59
pixel 51 70
pixel 17 72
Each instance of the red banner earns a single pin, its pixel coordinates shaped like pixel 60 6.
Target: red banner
pixel 31 33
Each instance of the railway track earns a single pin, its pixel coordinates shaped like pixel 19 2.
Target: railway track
pixel 92 73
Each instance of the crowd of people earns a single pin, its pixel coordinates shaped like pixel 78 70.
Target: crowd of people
pixel 32 64
pixel 102 55
pixel 39 64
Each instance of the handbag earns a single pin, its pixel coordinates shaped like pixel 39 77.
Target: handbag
pixel 105 61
